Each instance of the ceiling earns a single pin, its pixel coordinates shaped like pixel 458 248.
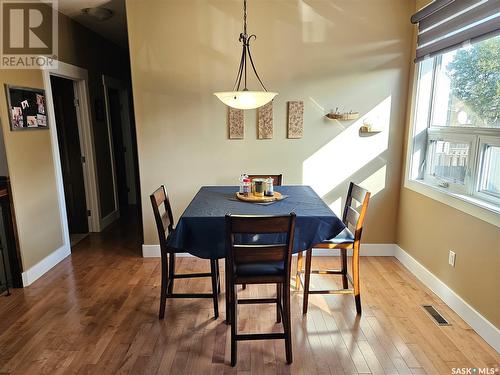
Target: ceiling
pixel 114 29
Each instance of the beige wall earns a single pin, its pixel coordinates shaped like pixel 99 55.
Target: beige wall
pixel 32 175
pixel 4 169
pixel 351 54
pixel 428 229
pixel 29 153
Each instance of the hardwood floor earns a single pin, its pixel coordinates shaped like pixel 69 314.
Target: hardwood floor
pixel 96 313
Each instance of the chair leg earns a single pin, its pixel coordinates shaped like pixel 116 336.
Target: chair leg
pixel 287 322
pixel 357 300
pixel 171 273
pixel 307 278
pixel 213 268
pixel 218 275
pixel 164 284
pixel 278 302
pixel 343 259
pixel 228 293
pixel 300 262
pixel 234 324
pixel 355 277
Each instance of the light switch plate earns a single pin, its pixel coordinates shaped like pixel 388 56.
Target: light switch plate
pixel 451 258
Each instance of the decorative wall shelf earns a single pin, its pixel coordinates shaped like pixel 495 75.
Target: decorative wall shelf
pixel 346 116
pixel 366 131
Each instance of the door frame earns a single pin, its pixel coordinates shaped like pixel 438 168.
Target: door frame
pixel 123 89
pixel 79 76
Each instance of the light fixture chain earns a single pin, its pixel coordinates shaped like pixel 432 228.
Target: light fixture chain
pixel 242 70
pixel 245 17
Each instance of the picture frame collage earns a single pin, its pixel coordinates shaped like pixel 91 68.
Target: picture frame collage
pixel 27 108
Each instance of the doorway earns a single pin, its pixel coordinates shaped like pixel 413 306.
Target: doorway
pixel 71 156
pixel 123 146
pixel 119 149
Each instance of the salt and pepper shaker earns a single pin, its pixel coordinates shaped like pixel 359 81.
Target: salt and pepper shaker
pixel 269 190
pixel 247 187
pixel 242 178
pixel 265 186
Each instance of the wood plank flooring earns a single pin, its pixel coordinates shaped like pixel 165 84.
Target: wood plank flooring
pixel 96 313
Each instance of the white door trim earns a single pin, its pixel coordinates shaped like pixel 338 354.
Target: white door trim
pixel 111 82
pixel 80 78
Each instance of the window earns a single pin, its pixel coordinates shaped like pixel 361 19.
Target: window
pixel 456 125
pixel 489 173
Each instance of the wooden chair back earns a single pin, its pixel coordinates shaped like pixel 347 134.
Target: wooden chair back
pixel 162 211
pixel 260 253
pixel 354 218
pixel 277 178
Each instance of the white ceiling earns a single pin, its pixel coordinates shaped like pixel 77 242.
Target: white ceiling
pixel 114 29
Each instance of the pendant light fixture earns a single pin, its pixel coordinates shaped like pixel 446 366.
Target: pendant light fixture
pixel 245 99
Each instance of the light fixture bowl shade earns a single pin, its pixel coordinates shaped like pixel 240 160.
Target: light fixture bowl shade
pixel 245 99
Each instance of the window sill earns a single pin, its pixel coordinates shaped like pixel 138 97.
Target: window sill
pixel 482 210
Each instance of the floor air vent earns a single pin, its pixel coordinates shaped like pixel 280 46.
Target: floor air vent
pixel 438 318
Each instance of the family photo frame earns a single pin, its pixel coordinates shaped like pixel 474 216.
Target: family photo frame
pixel 27 108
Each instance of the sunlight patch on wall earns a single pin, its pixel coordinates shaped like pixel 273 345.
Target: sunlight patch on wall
pixel 348 152
pixel 375 183
pixel 336 207
pixel 318 107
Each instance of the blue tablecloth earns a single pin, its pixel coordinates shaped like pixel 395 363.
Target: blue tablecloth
pixel 201 228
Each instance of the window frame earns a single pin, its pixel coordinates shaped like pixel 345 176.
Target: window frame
pixel 450 136
pixel 472 199
pixel 479 191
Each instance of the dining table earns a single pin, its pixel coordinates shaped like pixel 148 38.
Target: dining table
pixel 200 230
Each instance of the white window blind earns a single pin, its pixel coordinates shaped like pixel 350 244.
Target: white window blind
pixel 444 25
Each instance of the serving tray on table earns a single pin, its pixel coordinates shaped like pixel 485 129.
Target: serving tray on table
pixel 254 199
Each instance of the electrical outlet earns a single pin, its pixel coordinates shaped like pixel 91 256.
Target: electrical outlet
pixel 451 258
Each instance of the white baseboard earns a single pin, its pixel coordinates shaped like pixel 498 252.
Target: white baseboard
pixel 39 269
pixel 479 323
pixel 369 249
pixel 153 251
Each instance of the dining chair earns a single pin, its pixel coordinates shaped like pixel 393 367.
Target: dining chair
pixel 353 220
pixel 277 178
pixel 259 263
pixel 165 225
